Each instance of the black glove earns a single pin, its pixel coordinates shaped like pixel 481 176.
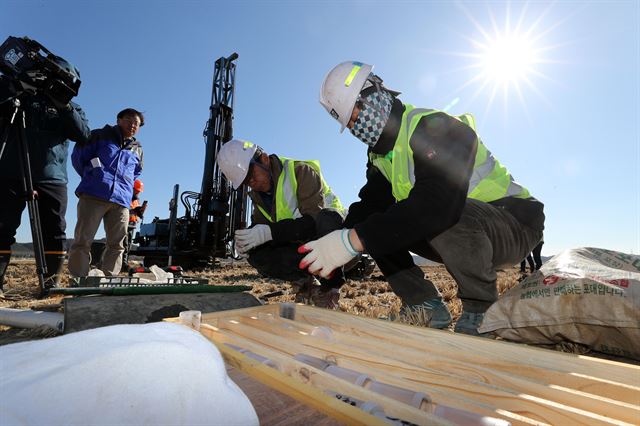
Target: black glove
pixel 62 108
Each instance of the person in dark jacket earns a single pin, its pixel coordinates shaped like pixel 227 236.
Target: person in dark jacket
pixel 432 188
pixel 108 166
pixel 292 204
pixel 523 264
pixel 534 259
pixel 136 213
pixel 49 127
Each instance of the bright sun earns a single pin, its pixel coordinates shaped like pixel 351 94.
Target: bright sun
pixel 507 60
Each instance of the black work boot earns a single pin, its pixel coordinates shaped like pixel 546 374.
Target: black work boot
pixel 4 262
pixel 303 289
pixel 55 267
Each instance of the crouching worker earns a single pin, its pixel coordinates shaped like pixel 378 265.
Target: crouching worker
pixel 292 204
pixel 432 188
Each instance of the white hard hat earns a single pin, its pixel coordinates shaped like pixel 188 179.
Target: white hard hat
pixel 341 87
pixel 234 159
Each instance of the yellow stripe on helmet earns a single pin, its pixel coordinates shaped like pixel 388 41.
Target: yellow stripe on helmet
pixel 352 74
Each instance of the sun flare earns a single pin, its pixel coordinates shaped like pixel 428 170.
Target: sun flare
pixel 508 60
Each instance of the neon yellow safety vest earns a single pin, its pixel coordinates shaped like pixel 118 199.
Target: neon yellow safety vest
pixel 286 192
pixel 490 180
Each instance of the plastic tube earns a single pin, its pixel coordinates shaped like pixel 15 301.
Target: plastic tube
pixel 253 355
pixel 318 363
pixel 323 333
pixel 350 376
pixel 419 400
pixel 368 407
pixel 463 417
pixel 26 318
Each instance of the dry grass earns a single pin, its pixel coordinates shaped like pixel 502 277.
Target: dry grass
pixel 370 298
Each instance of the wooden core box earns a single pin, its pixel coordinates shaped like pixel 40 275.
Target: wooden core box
pixel 374 372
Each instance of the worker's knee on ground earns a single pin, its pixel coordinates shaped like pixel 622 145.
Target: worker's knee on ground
pixel 412 287
pixel 328 220
pixel 336 280
pixel 268 263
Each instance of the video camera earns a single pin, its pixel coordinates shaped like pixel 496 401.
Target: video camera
pixel 37 70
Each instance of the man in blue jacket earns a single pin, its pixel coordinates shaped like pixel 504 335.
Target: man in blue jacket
pixel 49 127
pixel 108 166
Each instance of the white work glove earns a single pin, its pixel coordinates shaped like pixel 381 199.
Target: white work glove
pixel 327 253
pixel 246 239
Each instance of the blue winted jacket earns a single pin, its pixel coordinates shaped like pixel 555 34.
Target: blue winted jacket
pixel 118 164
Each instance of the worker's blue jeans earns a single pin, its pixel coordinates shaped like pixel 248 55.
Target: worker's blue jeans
pixel 484 239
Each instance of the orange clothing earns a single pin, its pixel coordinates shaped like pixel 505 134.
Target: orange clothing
pixel 133 218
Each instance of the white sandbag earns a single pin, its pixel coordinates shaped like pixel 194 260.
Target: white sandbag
pixel 152 374
pixel 586 295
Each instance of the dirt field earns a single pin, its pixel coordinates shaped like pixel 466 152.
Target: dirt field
pixel 372 297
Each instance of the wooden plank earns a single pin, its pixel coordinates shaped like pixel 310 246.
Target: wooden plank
pixel 341 343
pixel 307 394
pixel 521 384
pixel 321 379
pixel 209 317
pixel 492 354
pixel 326 381
pixel 276 408
pixel 526 405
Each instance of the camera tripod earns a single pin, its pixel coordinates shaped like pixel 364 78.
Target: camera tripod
pixel 17 125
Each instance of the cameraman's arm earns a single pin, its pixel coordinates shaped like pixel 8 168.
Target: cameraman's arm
pixel 82 154
pixel 75 124
pixel 7 92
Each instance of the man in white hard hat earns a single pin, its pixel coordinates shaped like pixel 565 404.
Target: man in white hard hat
pixel 292 204
pixel 433 189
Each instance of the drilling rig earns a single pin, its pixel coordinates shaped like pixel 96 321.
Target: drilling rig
pixel 211 216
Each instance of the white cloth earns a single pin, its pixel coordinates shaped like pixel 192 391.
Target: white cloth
pixel 246 239
pixel 151 374
pixel 327 253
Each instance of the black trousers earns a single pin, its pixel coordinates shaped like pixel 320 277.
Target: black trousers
pixel 485 238
pixel 535 262
pixel 127 245
pixel 280 260
pixel 52 204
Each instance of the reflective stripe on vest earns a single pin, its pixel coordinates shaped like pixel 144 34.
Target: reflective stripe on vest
pixel 490 180
pixel 286 193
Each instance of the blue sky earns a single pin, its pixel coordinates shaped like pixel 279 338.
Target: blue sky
pixel 570 134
